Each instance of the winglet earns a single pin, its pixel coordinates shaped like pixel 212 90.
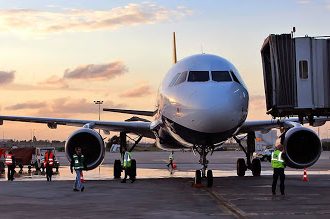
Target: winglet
pixel 174 49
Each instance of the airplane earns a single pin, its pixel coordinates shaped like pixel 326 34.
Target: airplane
pixel 202 102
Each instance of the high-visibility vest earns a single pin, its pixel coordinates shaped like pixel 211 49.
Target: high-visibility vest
pixel 127 159
pixel 9 159
pixel 277 161
pixel 78 164
pixel 49 158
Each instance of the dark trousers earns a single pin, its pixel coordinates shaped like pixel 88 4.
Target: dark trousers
pixel 11 172
pixel 49 172
pixel 170 163
pixel 127 173
pixel 278 172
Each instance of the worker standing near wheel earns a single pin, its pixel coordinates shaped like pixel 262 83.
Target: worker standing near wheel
pixel 79 164
pixel 128 166
pixel 11 163
pixel 170 160
pixel 278 165
pixel 49 163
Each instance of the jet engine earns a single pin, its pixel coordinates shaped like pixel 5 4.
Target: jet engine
pixel 92 146
pixel 302 147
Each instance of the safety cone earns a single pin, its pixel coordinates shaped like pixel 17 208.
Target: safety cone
pixel 305 179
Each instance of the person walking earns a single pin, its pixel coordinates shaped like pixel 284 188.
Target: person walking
pixel 79 164
pixel 49 163
pixel 128 166
pixel 11 163
pixel 278 165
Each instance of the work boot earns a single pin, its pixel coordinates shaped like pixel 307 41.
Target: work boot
pixel 75 190
pixel 83 188
pixel 123 181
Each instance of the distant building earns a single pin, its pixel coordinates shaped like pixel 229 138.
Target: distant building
pixel 265 140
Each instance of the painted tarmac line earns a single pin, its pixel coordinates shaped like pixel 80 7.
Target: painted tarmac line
pixel 226 205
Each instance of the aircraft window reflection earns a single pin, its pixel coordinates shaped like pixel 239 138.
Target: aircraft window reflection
pixel 221 76
pixel 198 76
pixel 182 78
pixel 234 77
pixel 174 79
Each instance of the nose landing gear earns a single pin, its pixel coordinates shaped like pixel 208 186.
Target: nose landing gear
pixel 203 173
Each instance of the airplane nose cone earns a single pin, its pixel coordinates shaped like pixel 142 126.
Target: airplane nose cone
pixel 219 108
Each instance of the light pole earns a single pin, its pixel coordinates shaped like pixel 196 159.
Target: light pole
pixel 99 102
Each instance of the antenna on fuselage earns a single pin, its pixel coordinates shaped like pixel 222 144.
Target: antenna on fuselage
pixel 174 49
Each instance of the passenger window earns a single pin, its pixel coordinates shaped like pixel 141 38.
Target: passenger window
pixel 198 76
pixel 234 77
pixel 303 69
pixel 182 78
pixel 174 79
pixel 221 76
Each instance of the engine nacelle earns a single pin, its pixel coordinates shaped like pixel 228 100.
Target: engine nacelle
pixel 302 146
pixel 92 146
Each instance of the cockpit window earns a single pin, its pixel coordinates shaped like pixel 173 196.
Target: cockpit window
pixel 234 77
pixel 198 76
pixel 182 78
pixel 221 76
pixel 174 79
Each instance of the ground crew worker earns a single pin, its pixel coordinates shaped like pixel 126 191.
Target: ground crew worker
pixel 49 163
pixel 79 164
pixel 170 160
pixel 127 166
pixel 278 165
pixel 11 163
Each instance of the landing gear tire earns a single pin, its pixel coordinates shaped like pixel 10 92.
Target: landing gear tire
pixel 241 167
pixel 256 167
pixel 133 169
pixel 198 177
pixel 117 169
pixel 209 178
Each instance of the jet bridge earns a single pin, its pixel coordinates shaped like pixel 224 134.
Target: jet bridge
pixel 296 74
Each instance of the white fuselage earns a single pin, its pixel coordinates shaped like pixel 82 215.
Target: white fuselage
pixel 202 100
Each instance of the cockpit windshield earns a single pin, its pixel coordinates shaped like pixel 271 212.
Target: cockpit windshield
pixel 221 76
pixel 198 76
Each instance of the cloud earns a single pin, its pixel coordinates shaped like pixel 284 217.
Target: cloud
pixel 54 82
pixel 26 105
pixel 73 20
pixel 62 107
pixel 97 72
pixel 6 77
pixel 140 91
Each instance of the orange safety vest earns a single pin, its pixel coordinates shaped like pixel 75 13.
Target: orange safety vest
pixel 49 158
pixel 9 159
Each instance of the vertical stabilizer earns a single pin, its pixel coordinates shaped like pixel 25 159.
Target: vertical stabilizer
pixel 174 48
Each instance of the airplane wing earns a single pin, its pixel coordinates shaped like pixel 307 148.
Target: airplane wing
pixel 266 125
pixel 134 112
pixel 140 128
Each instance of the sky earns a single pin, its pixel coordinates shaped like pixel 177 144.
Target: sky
pixel 57 57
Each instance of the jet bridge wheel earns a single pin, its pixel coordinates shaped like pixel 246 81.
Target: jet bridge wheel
pixel 117 169
pixel 256 167
pixel 198 177
pixel 241 167
pixel 209 178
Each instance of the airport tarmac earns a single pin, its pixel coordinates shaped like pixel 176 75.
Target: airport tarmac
pixel 157 194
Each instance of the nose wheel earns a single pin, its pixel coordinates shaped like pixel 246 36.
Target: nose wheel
pixel 203 173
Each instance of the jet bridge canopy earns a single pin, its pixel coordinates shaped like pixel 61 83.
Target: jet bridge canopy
pixel 296 75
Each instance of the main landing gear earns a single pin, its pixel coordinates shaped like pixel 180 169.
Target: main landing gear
pixel 202 173
pixel 117 167
pixel 255 165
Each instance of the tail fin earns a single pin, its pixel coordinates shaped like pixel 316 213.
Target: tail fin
pixel 174 48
